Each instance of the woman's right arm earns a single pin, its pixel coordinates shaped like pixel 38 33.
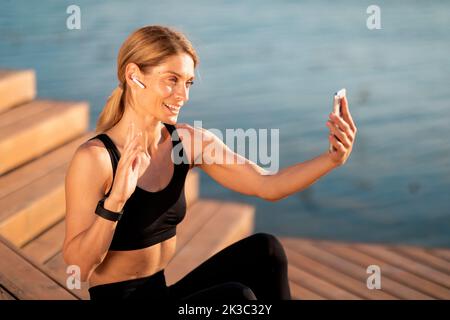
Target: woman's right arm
pixel 88 235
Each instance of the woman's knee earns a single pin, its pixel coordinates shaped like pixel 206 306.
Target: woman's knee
pixel 239 291
pixel 271 247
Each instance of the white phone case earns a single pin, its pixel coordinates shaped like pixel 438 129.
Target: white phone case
pixel 337 107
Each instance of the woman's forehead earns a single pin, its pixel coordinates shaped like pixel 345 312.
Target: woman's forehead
pixel 180 65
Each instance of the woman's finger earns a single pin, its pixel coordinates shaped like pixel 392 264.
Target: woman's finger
pixel 146 143
pixel 133 156
pixel 340 135
pixel 346 113
pixel 130 148
pixel 336 144
pixel 344 126
pixel 133 142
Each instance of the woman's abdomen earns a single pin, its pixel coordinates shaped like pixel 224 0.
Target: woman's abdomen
pixel 127 265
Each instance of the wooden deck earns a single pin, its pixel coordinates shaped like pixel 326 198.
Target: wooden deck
pixel 335 270
pixel 318 270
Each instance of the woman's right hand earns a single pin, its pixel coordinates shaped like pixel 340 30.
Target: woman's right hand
pixel 129 167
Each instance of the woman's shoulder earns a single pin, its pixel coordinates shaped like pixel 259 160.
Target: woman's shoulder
pixel 93 152
pixel 187 128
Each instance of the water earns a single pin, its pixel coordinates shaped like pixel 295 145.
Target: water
pixel 267 65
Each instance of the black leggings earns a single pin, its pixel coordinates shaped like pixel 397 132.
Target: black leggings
pixel 254 268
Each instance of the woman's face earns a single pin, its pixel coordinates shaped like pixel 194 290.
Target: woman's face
pixel 167 88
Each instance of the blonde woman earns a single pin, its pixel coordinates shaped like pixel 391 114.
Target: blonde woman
pixel 125 194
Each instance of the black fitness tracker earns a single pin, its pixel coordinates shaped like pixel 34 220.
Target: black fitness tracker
pixel 107 214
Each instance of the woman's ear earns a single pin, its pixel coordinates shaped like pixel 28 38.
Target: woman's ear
pixel 132 71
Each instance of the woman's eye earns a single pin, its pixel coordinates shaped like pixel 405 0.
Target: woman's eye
pixel 190 83
pixel 174 80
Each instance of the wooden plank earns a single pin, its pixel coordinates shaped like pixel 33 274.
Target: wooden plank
pixel 47 244
pixel 16 87
pixel 332 275
pixel 428 290
pixel 413 266
pixel 442 253
pixel 40 167
pixel 28 138
pixel 24 279
pixel 29 211
pixel 231 222
pixel 5 295
pixel 196 217
pixel 317 285
pixel 424 256
pixel 24 112
pixel 300 293
pixel 340 258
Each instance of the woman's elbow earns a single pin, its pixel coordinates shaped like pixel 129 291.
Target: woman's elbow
pixel 78 266
pixel 269 195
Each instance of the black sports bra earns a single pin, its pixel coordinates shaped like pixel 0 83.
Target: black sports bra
pixel 150 217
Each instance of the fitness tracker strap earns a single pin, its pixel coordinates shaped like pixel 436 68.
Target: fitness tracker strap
pixel 107 214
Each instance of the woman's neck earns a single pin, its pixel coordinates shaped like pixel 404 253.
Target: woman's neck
pixel 146 124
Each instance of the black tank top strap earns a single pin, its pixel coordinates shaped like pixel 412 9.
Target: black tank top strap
pixel 114 153
pixel 176 140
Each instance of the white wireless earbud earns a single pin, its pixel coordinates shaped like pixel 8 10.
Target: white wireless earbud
pixel 140 84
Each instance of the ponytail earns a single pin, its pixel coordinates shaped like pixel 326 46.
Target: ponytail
pixel 112 111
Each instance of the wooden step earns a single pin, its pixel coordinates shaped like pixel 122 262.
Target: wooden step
pixel 47 245
pixel 33 129
pixel 33 196
pixel 40 167
pixel 22 279
pixel 16 87
pixel 197 234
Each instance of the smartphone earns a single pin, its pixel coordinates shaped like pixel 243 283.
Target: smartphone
pixel 337 107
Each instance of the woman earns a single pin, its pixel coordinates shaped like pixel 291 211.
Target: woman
pixel 125 195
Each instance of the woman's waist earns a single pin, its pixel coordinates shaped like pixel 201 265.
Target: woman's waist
pixel 128 265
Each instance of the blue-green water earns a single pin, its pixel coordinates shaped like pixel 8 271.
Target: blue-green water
pixel 267 64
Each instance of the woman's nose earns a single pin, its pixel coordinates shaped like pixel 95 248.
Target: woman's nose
pixel 182 93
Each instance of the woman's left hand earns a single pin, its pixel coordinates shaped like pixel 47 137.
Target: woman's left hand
pixel 345 130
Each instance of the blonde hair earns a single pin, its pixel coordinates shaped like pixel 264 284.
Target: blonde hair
pixel 147 47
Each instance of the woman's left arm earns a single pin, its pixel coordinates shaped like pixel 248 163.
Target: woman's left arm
pixel 248 178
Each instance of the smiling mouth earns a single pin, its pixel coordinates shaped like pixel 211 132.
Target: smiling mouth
pixel 172 108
